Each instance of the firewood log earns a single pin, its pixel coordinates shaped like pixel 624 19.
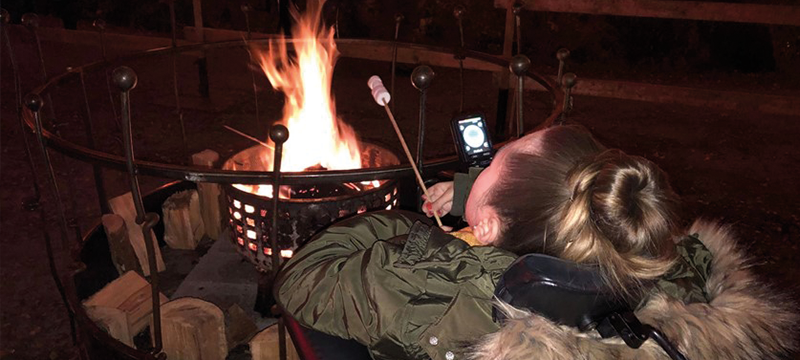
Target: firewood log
pixel 193 329
pixel 183 224
pixel 264 346
pixel 123 307
pixel 211 201
pixel 123 206
pixel 122 253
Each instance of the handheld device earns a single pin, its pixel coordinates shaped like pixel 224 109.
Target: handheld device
pixel 471 136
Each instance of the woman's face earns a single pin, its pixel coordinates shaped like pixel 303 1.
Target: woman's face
pixel 489 177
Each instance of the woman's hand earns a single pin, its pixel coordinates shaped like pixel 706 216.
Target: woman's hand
pixel 441 199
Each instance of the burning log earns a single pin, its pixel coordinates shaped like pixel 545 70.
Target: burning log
pixel 122 253
pixel 193 329
pixel 123 307
pixel 183 224
pixel 264 346
pixel 123 206
pixel 210 196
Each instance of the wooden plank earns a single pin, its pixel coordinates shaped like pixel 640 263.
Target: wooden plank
pixel 383 52
pixel 123 206
pixel 113 321
pixel 122 253
pixel 360 50
pixel 123 307
pixel 211 35
pixel 120 42
pixel 508 33
pixel 687 10
pixel 669 94
pixel 183 224
pixel 197 11
pixel 211 198
pixel 508 43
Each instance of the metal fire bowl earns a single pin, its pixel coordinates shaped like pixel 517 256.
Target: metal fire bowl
pixel 299 219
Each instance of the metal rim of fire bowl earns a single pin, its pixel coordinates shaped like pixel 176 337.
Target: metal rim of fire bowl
pixel 387 156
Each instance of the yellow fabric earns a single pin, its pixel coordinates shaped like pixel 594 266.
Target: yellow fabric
pixel 467 236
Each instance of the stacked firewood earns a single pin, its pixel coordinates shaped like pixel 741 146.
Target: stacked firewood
pixel 191 328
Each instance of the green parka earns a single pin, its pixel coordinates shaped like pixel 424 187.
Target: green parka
pixel 414 296
pixel 408 290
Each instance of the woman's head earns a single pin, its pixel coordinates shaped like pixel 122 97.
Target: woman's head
pixel 569 197
pixel 475 212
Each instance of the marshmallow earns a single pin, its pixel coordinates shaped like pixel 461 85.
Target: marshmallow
pixel 379 92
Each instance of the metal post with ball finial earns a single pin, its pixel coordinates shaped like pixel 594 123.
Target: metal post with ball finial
pixel 569 81
pixel 125 79
pixel 278 134
pixel 34 104
pixel 519 66
pixel 421 78
pixel 562 55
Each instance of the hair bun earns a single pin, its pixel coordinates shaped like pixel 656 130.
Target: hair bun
pixel 631 200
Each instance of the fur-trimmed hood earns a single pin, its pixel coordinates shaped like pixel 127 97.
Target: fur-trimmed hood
pixel 745 319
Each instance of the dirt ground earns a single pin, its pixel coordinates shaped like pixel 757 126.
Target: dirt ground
pixel 739 168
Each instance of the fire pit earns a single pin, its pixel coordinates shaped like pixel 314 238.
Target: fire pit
pixel 320 140
pixel 312 193
pixel 304 210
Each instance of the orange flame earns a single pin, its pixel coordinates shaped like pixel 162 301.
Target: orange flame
pixel 317 137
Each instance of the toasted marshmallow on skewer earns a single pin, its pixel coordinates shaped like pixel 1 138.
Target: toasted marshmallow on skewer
pixel 379 92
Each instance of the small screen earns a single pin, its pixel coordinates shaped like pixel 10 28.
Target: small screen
pixel 474 135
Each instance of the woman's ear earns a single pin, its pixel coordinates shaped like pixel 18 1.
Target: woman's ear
pixel 488 229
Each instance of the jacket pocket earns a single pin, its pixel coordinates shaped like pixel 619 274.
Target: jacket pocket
pixel 465 320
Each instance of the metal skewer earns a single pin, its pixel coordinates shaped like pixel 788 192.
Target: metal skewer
pixel 249 137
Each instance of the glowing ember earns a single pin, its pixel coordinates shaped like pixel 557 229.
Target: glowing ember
pixel 318 138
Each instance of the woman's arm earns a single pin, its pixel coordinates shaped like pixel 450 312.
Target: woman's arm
pixel 450 196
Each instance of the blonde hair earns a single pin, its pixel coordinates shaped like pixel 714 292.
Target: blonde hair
pixel 620 216
pixel 589 205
